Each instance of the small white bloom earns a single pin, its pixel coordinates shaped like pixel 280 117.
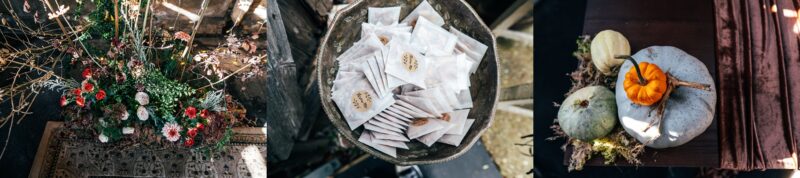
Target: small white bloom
pixel 127 130
pixel 103 138
pixel 125 115
pixel 142 98
pixel 171 131
pixel 142 113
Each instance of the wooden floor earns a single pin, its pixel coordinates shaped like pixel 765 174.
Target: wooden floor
pixel 686 24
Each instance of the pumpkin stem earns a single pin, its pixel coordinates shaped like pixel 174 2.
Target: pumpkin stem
pixel 678 82
pixel 584 103
pixel 642 81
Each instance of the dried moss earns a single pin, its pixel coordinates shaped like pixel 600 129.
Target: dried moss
pixel 610 147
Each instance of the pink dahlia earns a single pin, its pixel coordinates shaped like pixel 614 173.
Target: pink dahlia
pixel 171 131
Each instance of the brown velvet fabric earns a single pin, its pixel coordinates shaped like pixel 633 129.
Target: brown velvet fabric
pixel 758 70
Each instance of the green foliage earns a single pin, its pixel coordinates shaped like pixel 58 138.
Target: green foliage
pixel 584 43
pixel 165 91
pixel 101 20
pixel 220 145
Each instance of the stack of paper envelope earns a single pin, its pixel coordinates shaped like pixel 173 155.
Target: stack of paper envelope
pixel 407 80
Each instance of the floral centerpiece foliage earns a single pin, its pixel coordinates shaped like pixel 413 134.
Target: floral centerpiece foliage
pixel 127 80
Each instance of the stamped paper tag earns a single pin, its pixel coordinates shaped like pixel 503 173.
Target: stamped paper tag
pixel 410 62
pixel 419 122
pixel 361 101
pixel 384 39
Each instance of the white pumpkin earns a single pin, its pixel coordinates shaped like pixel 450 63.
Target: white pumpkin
pixel 689 111
pixel 605 46
pixel 589 113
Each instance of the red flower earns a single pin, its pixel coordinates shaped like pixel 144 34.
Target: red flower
pixel 87 73
pixel 191 112
pixel 189 142
pixel 77 92
pixel 204 113
pixel 192 132
pixel 200 126
pixel 63 101
pixel 88 87
pixel 100 95
pixel 79 100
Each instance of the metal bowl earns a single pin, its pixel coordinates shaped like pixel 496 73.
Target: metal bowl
pixel 345 30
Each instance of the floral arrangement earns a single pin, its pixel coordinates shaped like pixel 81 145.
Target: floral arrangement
pixel 124 79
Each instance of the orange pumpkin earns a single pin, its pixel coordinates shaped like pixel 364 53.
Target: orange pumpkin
pixel 646 84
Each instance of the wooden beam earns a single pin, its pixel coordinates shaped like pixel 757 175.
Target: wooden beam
pixel 283 92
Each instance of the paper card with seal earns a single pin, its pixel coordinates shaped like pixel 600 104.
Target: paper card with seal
pixel 406 64
pixel 458 118
pixel 374 128
pixel 424 9
pixel 391 143
pixel 430 139
pixel 435 97
pixel 401 121
pixel 385 34
pixel 381 120
pixel 424 126
pixel 366 138
pixel 399 114
pixel 384 136
pixel 345 77
pixel 450 95
pixel 465 99
pixel 432 39
pixel 395 82
pixel 359 102
pixel 465 67
pixel 451 71
pixel 381 63
pixel 380 124
pixel 362 48
pixel 402 109
pixel 441 70
pixel 373 72
pixel 474 49
pixel 428 112
pixel 455 139
pixel 383 15
pixel 422 103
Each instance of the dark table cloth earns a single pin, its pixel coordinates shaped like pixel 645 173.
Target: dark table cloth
pixel 758 62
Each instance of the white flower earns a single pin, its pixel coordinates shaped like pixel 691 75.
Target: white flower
pixel 127 130
pixel 125 115
pixel 142 98
pixel 103 138
pixel 171 131
pixel 142 113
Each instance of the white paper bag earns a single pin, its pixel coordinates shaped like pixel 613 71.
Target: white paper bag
pixel 367 138
pixel 383 15
pixel 455 139
pixel 424 9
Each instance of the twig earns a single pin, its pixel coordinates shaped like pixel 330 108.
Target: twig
pixel 194 30
pixel 189 45
pixel 228 76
